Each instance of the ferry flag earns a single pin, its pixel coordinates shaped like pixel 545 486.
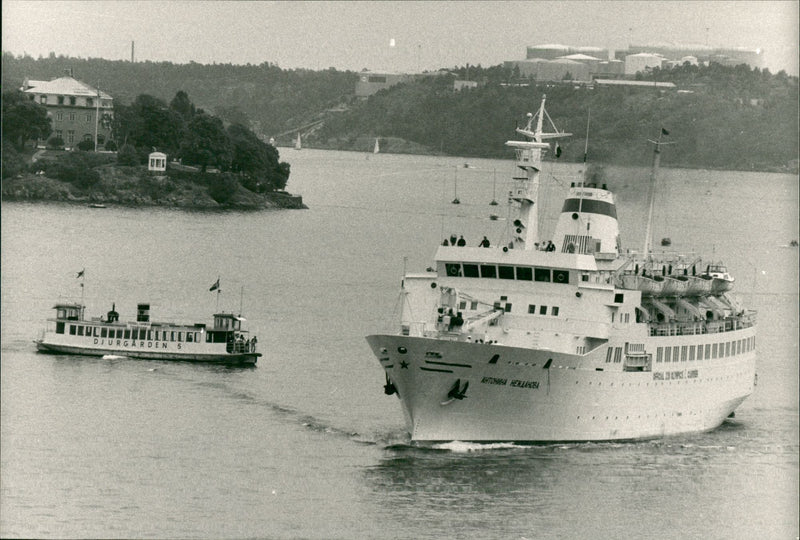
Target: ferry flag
pixel 664 131
pixel 80 274
pixel 215 286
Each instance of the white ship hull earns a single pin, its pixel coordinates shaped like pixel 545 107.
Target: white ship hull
pixel 517 398
pixel 143 353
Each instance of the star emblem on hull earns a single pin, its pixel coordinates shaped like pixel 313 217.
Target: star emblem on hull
pixel 403 364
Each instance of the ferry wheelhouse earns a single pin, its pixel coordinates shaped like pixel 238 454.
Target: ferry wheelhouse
pixel 580 342
pixel 71 333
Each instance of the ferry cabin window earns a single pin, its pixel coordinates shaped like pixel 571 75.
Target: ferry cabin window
pixel 708 351
pixel 541 274
pixel 691 353
pixel 619 298
pixel 561 276
pixel 532 309
pixel 180 336
pixel 714 350
pixel 667 354
pixel 103 332
pixel 675 352
pixel 80 330
pixel 471 270
pixel 59 328
pixel 684 353
pixel 584 277
pixel 462 305
pixel 505 272
pixel 728 349
pixel 453 269
pixel 524 273
pixel 72 329
pixel 542 310
pixel 508 307
pixel 659 354
pixel 611 349
pixel 554 311
pixel 699 352
pixel 617 355
pixel 474 305
pixel 149 335
pixel 127 334
pixel 488 271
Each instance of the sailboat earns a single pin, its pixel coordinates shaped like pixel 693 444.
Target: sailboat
pixel 377 148
pixel 297 144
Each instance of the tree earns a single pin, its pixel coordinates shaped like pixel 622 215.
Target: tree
pixel 206 143
pixel 148 123
pixel 182 105
pixel 23 119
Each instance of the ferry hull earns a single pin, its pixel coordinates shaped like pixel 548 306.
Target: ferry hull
pixel 236 359
pixel 529 395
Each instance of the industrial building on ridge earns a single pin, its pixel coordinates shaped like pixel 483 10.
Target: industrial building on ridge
pixel 554 62
pixel 76 110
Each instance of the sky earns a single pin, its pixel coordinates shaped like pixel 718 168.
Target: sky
pixel 387 35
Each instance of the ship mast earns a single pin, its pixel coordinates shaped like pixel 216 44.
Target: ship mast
pixel 526 188
pixel 652 192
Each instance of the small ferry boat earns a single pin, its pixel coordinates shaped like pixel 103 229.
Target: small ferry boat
pixel 71 333
pixel 583 341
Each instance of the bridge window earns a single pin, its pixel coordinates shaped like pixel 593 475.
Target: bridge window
pixel 505 272
pixel 561 276
pixel 532 309
pixel 554 311
pixel 541 274
pixel 610 350
pixel 542 310
pixel 524 273
pixel 471 270
pixel 453 269
pixel 488 271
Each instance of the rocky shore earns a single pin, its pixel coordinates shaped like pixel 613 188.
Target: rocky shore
pixel 129 186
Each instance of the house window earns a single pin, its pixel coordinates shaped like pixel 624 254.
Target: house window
pixel 72 116
pixel 72 100
pixel 60 100
pixel 89 102
pixel 43 99
pixel 59 116
pixel 88 117
pixel 60 134
pixel 70 136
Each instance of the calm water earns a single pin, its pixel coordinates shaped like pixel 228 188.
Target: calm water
pixel 306 445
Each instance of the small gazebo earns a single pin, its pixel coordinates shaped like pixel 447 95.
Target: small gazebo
pixel 157 162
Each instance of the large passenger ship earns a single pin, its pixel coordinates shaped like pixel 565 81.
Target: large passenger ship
pixel 71 333
pixel 578 341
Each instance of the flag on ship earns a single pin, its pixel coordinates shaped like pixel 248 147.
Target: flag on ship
pixel 80 274
pixel 664 131
pixel 215 286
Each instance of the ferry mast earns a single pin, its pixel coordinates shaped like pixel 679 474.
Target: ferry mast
pixel 526 188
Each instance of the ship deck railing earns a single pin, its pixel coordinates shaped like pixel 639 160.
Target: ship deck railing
pixel 690 328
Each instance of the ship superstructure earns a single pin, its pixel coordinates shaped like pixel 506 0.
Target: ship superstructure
pixel 566 341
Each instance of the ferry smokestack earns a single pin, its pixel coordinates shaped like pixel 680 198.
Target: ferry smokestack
pixel 143 313
pixel 132 52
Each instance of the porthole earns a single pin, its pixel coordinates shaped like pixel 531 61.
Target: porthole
pixel 433 285
pixel 402 350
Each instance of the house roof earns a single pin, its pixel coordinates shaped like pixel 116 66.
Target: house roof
pixel 65 86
